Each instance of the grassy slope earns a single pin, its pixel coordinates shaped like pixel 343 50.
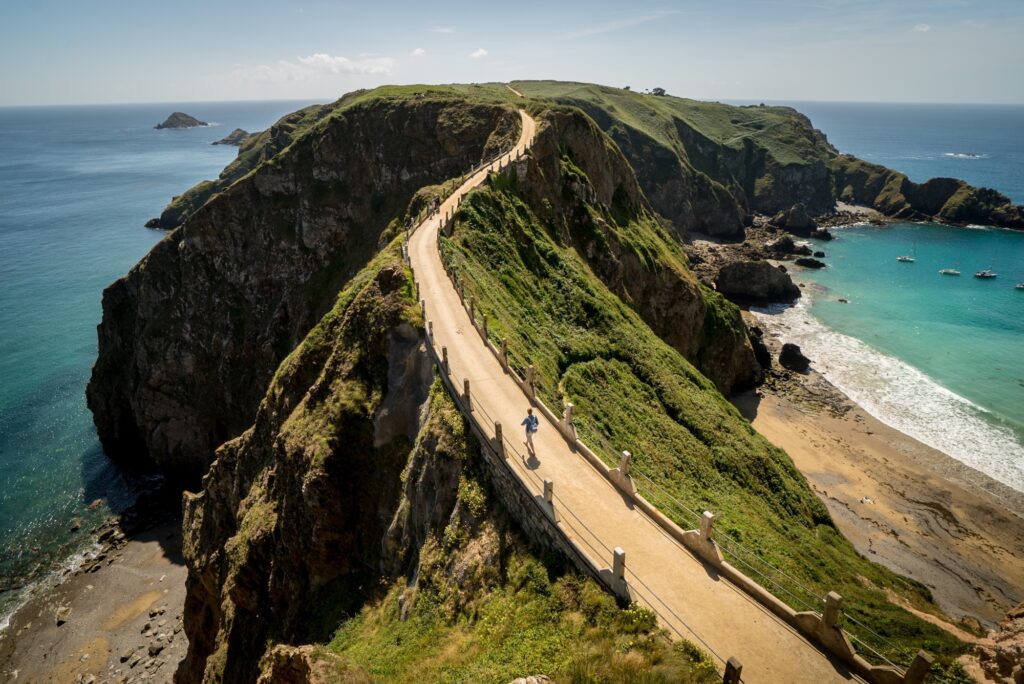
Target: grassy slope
pixel 487 621
pixel 773 128
pixel 588 346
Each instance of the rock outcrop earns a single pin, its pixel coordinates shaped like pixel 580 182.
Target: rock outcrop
pixel 809 262
pixel 180 120
pixel 941 199
pixel 756 283
pixel 235 137
pixel 796 220
pixel 191 336
pixel 1002 655
pixel 792 358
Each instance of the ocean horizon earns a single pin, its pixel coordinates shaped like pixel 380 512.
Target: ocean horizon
pixel 77 183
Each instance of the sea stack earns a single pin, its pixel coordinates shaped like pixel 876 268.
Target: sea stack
pixel 180 120
pixel 235 137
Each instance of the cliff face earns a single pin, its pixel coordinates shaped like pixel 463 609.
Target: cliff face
pixel 581 179
pixel 192 334
pixel 942 199
pixel 285 538
pixel 705 165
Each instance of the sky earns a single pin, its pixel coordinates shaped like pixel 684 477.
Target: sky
pixel 103 51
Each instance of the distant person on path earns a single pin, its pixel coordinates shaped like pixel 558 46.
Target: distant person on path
pixel 531 424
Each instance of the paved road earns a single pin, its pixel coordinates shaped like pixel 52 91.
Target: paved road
pixel 688 596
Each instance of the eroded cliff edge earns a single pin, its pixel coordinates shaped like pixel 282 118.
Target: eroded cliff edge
pixel 191 336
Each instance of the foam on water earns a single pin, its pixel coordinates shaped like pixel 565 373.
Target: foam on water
pixel 902 396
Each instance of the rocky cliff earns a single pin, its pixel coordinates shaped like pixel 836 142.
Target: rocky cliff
pixel 180 120
pixel 191 336
pixel 943 199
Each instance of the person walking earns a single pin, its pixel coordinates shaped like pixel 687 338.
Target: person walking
pixel 531 424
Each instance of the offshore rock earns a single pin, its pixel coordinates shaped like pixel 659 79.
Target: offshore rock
pixel 235 137
pixel 180 120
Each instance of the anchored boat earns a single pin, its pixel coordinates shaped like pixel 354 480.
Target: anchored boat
pixel 905 259
pixel 949 271
pixel 987 273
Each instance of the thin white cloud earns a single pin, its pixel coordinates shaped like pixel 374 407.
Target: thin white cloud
pixel 617 24
pixel 418 52
pixel 313 67
pixel 478 53
pixel 921 28
pixel 442 29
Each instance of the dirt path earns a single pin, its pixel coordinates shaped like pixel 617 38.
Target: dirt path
pixel 690 597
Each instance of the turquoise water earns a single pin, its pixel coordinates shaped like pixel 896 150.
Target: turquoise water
pixel 938 357
pixel 76 186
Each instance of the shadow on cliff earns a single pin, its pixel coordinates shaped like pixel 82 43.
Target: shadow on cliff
pixel 144 503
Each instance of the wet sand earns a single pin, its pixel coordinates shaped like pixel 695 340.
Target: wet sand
pixel 118 619
pixel 901 503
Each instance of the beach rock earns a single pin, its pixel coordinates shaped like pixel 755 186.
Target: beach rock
pixel 761 351
pixel 819 254
pixel 808 262
pixel 1002 657
pixel 155 648
pixel 153 223
pixel 755 283
pixel 62 615
pixel 793 359
pixel 796 220
pixel 822 234
pixel 235 137
pixel 127 654
pixel 180 120
pixel 76 524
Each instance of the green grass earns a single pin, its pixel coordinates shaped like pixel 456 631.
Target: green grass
pixel 632 391
pixel 780 130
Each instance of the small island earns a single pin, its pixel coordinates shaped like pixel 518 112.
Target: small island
pixel 180 120
pixel 235 137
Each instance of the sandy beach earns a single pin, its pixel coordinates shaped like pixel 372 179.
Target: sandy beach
pixel 901 503
pixel 116 619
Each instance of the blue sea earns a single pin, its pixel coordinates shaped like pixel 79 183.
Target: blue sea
pixel 76 186
pixel 938 357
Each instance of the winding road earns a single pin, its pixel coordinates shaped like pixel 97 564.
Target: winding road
pixel 689 597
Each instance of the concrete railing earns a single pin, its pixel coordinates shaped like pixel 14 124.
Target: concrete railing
pixel 819 627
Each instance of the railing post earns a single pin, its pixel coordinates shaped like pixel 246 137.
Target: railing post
pixel 423 307
pixel 567 417
pixel 619 564
pixel 465 395
pixel 707 521
pixel 483 325
pixel 504 353
pixel 918 669
pixel 624 463
pixel 733 670
pixel 444 361
pixel 529 381
pixel 549 492
pixel 833 601
pixel 499 440
pixel 462 291
pixel 472 311
pixel 430 329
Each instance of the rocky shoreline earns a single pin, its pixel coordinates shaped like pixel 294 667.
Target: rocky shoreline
pixel 117 616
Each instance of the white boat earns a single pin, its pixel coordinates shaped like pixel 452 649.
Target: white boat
pixel 987 273
pixel 1019 286
pixel 949 271
pixel 905 259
